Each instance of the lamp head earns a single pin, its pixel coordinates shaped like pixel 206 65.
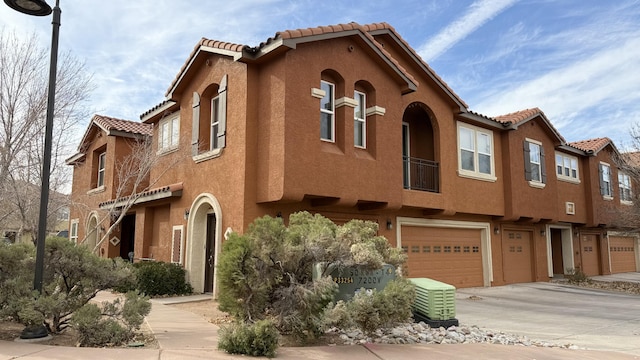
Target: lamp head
pixel 30 7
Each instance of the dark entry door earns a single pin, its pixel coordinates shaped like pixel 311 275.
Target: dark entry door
pixel 127 236
pixel 210 253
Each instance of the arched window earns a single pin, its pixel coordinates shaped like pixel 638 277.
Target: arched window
pixel 209 128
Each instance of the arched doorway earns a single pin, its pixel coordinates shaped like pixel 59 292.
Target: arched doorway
pixel 421 168
pixel 204 232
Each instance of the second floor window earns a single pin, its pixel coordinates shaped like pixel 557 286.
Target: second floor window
pixel 169 133
pixel 624 182
pixel 102 159
pixel 605 180
pixel 327 112
pixel 360 120
pixel 534 168
pixel 215 122
pixel 475 151
pixel 566 167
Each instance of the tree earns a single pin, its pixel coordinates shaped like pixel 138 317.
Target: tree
pixel 23 100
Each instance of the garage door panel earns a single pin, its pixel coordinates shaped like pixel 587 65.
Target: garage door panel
pixel 517 255
pixel 623 254
pixel 449 255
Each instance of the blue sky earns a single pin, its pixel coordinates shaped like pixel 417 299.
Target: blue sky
pixel 577 60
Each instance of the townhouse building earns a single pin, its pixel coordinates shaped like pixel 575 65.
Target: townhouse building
pixel 348 121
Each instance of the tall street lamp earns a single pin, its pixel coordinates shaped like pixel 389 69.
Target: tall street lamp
pixel 41 8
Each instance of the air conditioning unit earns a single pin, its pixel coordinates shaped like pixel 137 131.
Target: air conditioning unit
pixel 435 300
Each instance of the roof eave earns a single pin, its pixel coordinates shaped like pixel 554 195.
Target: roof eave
pixel 78 157
pixel 485 121
pixel 160 110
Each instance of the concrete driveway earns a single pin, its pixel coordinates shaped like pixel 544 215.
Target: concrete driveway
pixel 562 314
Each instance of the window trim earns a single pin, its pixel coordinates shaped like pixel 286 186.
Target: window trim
pixel 476 174
pixel 603 182
pixel 563 177
pixel 102 164
pixel 173 127
pixel 214 123
pixel 73 230
pixel 331 112
pixel 621 188
pixel 361 102
pixel 528 161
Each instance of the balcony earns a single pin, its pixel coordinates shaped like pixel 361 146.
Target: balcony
pixel 421 174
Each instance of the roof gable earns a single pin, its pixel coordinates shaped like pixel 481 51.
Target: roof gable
pixel 515 119
pixel 111 127
pixel 593 146
pixel 288 39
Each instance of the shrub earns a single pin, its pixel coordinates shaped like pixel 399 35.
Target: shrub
pixel 370 310
pixel 113 324
pixel 259 339
pixel 161 278
pixel 16 283
pixel 267 272
pixel 577 276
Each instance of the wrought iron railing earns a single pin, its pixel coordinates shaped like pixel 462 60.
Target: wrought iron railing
pixel 421 174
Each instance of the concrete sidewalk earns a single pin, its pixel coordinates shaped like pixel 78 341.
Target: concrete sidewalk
pixel 183 335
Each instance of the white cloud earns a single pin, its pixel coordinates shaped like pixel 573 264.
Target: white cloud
pixel 479 13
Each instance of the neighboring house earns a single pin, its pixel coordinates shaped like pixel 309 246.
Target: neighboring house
pixel 349 122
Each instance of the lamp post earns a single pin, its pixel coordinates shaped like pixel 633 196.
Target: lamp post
pixel 41 8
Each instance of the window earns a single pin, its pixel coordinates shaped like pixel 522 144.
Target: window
pixel 605 180
pixel 215 122
pixel 73 233
pixel 475 151
pixel 534 166
pixel 327 112
pixel 567 167
pixel 360 120
pixel 102 158
pixel 624 182
pixel 169 133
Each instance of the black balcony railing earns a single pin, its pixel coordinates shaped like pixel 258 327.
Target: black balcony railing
pixel 421 174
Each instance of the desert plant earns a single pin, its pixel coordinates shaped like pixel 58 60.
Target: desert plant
pixel 161 278
pixel 267 272
pixel 113 323
pixel 258 339
pixel 576 276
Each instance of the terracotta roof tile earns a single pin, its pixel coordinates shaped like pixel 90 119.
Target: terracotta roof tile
pixel 591 145
pixel 518 116
pixel 133 127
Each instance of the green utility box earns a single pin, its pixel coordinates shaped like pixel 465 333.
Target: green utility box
pixel 434 299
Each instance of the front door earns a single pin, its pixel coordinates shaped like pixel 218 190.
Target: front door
pixel 210 253
pixel 127 236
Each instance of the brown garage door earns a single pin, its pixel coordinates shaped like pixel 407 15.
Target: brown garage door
pixel 590 253
pixel 623 254
pixel 517 265
pixel 452 256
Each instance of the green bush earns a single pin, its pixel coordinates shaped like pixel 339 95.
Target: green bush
pixel 161 278
pixel 267 271
pixel 72 276
pixel 112 324
pixel 577 276
pixel 259 339
pixel 370 310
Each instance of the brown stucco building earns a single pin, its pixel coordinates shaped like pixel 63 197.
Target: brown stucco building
pixel 349 122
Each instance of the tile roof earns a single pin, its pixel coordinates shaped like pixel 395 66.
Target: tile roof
pixel 365 30
pixel 133 127
pixel 518 116
pixel 172 190
pixel 591 145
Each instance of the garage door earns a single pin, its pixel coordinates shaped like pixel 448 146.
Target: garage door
pixel 590 253
pixel 623 254
pixel 450 255
pixel 517 254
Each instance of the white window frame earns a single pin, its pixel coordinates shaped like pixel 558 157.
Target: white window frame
pixel 215 122
pixel 329 97
pixel 533 144
pixel 102 164
pixel 169 133
pixel 475 173
pixel 361 106
pixel 73 230
pixel 565 164
pixel 606 179
pixel 624 183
